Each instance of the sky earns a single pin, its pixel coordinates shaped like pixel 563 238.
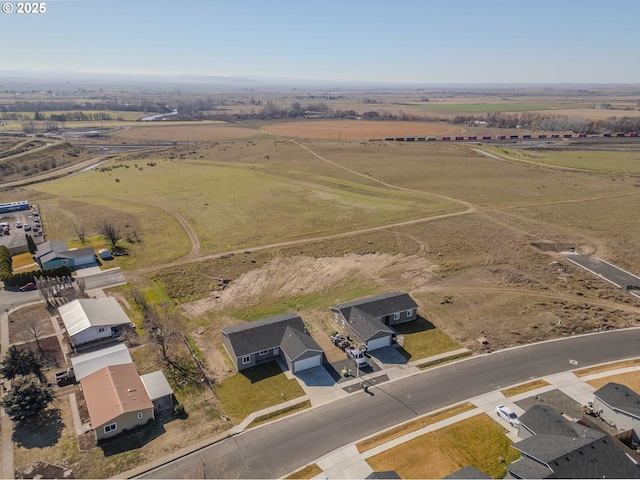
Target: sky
pixel 395 41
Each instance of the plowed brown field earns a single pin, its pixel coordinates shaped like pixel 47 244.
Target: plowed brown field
pixel 359 129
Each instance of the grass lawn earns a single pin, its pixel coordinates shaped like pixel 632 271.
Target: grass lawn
pixel 409 427
pixel 525 387
pixel 260 387
pixel 609 366
pixel 309 471
pixel 478 441
pixel 280 413
pixel 630 379
pixel 422 339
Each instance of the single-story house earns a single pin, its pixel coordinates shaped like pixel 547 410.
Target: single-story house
pixel 55 253
pixel 88 363
pixel 284 336
pixel 116 399
pixel 368 319
pixel 554 447
pixel 159 390
pixel 89 319
pixel 618 405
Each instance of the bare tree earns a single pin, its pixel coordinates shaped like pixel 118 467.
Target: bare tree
pixel 80 232
pixel 111 232
pixel 32 329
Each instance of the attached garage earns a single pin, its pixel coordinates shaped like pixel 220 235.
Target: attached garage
pixel 379 342
pixel 307 363
pixel 300 351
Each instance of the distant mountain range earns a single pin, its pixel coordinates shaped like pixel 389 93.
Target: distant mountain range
pixel 57 78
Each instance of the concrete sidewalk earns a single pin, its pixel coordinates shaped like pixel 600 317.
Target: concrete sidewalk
pixel 347 462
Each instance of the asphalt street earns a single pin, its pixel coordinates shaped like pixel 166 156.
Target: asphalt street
pixel 276 449
pixel 13 298
pixel 605 270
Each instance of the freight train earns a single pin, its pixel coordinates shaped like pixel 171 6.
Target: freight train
pixel 475 138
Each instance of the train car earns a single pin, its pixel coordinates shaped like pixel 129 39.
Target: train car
pixel 431 139
pixel 446 139
pixel 513 137
pixel 422 139
pixel 459 138
pixel 620 134
pixel 388 139
pixel 542 136
pixel 472 137
pixel 567 135
pixel 486 137
pixel 607 135
pixel 399 139
pixel 555 135
pixel 582 135
pixel 410 139
pixel 633 134
pixel 526 137
pixel 501 137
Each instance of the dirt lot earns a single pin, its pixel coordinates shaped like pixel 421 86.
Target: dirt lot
pixel 359 129
pixel 285 277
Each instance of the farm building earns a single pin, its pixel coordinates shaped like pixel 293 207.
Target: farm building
pixel 116 399
pixel 90 319
pixel 368 319
pixel 283 336
pixel 55 253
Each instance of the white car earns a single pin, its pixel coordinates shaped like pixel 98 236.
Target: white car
pixel 508 415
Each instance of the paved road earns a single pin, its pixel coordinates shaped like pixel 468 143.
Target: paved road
pixel 605 270
pixel 13 298
pixel 276 449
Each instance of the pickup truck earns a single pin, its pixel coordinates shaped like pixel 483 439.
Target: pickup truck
pixel 66 375
pixel 357 356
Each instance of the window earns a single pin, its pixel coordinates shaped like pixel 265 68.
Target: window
pixel 110 428
pixel 410 313
pixel 246 360
pixel 396 316
pixel 101 329
pixel 263 352
pixel 139 415
pixel 276 350
pixel 335 317
pixel 343 324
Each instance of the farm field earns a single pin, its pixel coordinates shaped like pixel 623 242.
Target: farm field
pixel 294 223
pixel 358 129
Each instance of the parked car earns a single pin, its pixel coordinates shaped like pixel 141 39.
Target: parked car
pixel 27 227
pixel 28 286
pixel 18 225
pixel 357 356
pixel 508 415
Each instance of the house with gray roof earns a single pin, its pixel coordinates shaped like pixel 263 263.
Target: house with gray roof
pixel 55 253
pixel 619 406
pixel 558 448
pixel 283 336
pixel 368 319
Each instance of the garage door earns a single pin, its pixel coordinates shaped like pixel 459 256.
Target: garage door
pixel 307 363
pixel 378 343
